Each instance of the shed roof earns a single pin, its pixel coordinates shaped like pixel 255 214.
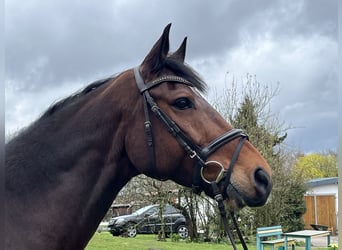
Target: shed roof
pixel 322 182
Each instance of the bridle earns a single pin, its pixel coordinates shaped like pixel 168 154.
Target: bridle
pixel 222 180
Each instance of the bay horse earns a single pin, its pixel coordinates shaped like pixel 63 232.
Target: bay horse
pixel 65 169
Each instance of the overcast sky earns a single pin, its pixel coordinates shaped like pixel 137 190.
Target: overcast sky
pixel 54 48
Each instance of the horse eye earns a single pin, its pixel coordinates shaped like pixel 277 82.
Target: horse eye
pixel 183 103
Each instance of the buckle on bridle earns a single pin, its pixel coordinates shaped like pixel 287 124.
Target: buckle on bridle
pixel 148 124
pixel 193 154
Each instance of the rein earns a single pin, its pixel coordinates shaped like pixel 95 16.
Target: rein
pixel 193 150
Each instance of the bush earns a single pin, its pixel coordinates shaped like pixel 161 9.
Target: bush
pixel 175 237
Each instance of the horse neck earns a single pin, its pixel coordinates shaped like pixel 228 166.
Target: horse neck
pixel 68 166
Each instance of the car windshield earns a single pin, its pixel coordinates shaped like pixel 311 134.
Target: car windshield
pixel 142 210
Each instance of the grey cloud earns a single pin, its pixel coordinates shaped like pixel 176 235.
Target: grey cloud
pixel 50 44
pixel 80 39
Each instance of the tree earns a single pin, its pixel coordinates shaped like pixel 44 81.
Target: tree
pixel 317 165
pixel 142 191
pixel 249 109
pixel 286 205
pixel 199 210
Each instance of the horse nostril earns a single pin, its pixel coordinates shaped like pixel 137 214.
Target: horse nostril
pixel 262 182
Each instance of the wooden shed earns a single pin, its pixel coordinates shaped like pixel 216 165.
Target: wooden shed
pixel 121 209
pixel 322 204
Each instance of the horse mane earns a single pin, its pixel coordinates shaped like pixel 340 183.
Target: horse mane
pixel 72 98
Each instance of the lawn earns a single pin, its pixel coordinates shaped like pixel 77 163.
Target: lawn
pixel 105 241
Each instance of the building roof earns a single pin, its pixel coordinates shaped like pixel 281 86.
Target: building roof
pixel 322 182
pixel 120 205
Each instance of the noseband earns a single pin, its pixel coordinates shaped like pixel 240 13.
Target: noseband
pixel 222 180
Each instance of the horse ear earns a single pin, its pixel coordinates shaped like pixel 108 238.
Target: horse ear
pixel 154 61
pixel 179 54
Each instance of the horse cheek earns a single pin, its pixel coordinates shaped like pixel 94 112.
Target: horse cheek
pixel 136 150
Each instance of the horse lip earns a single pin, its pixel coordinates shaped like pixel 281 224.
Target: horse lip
pixel 243 200
pixel 234 195
pixel 256 202
pixel 236 200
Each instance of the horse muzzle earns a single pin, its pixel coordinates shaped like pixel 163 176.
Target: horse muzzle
pixel 262 185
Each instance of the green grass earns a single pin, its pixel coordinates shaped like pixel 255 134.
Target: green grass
pixel 105 241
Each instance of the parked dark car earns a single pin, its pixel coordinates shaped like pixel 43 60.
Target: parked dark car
pixel 146 220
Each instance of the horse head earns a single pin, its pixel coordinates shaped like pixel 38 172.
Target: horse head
pixel 176 134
